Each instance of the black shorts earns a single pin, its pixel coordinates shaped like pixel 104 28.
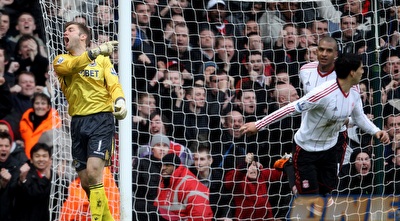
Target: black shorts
pixel 341 146
pixel 315 172
pixel 92 136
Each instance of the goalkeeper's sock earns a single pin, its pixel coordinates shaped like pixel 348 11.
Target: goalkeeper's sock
pixel 97 201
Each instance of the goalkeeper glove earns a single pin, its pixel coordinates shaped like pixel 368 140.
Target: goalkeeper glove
pixel 104 49
pixel 281 163
pixel 120 109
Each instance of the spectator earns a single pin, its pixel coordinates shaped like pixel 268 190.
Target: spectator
pixel 184 9
pixel 357 177
pixel 4 30
pixel 104 19
pixel 390 60
pixel 193 198
pixel 170 88
pixel 362 9
pixel 8 68
pixel 253 42
pixel 319 28
pixel 100 37
pixel 280 139
pixel 20 96
pixel 76 205
pixel 37 120
pixel 144 60
pixel 273 20
pixel 245 101
pixel 257 79
pixel 219 93
pixel 249 185
pixel 9 175
pixel 149 23
pixel 227 57
pixel 219 21
pixel 145 106
pixel 306 38
pixel 17 146
pixel 207 44
pixel 212 178
pixel 287 53
pixel 392 174
pixel 146 177
pixel 141 14
pixel 256 68
pixel 180 49
pixel 34 186
pixel 191 122
pixel 26 54
pixel 281 133
pixel 311 54
pixel 349 38
pixel 26 26
pixel 160 124
pixel 81 18
pixel 281 76
pixel 170 27
pixel 210 68
pixel 251 26
pixel 229 150
pixel 392 126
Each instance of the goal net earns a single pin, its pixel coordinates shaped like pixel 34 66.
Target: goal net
pixel 203 68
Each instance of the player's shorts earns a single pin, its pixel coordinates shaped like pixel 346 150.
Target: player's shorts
pixel 341 146
pixel 92 136
pixel 315 172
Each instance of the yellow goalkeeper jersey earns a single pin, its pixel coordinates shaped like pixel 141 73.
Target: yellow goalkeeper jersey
pixel 89 86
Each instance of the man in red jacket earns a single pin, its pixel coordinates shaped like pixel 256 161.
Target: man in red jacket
pixel 181 196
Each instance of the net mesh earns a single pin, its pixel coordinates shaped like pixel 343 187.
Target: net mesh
pixel 168 85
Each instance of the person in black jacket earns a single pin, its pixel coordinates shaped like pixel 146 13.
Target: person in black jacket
pixel 357 177
pixel 220 199
pixel 34 187
pixel 9 174
pixel 392 174
pixel 146 176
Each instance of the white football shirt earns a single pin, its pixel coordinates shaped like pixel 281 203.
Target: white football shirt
pixel 325 110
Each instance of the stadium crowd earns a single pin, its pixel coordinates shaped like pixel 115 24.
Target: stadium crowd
pixel 201 70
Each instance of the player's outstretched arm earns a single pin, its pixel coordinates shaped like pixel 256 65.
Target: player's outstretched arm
pixel 249 129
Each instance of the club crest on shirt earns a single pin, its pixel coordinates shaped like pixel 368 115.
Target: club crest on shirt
pixel 306 184
pixel 300 105
pixel 60 60
pixel 113 72
pixel 93 63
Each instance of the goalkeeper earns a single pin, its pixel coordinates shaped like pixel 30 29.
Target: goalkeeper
pixel 90 84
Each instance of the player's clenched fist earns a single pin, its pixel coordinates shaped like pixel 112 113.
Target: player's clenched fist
pixel 104 49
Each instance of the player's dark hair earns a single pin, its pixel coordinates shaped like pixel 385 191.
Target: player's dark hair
pixel 344 64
